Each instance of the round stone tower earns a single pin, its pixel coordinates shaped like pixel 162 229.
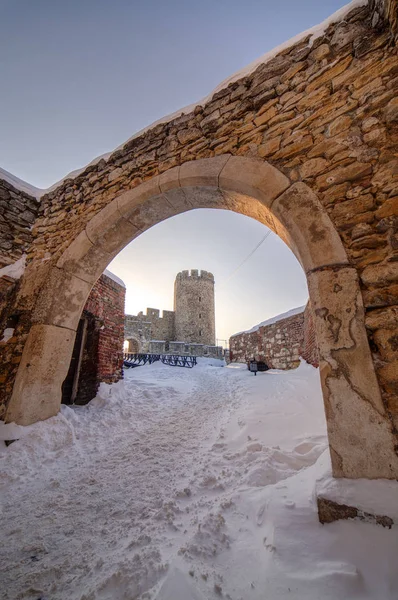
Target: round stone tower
pixel 194 307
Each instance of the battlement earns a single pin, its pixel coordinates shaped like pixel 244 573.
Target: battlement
pixel 195 274
pixel 151 314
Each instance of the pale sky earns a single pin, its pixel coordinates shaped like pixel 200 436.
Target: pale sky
pixel 80 77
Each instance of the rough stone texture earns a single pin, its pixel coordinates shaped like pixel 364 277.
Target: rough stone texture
pixel 329 511
pixel 39 370
pixel 194 307
pixel 192 321
pixel 143 328
pixel 309 347
pixel 333 104
pixel 18 212
pixel 280 344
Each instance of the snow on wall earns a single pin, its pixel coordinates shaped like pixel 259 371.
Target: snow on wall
pixel 272 320
pixel 280 342
pixel 313 33
pixel 21 185
pixel 114 278
pixel 15 269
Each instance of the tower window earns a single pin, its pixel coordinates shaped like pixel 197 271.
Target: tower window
pixel 200 315
pixel 200 333
pixel 200 299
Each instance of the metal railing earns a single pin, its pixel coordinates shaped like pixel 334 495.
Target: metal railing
pixel 173 360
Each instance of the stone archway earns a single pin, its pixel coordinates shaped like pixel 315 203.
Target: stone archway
pixel 360 436
pixel 134 345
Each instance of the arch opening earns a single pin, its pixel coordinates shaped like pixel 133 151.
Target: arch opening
pixel 132 345
pixel 256 189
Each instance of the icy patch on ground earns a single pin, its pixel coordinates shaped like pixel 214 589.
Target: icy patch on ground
pixel 184 484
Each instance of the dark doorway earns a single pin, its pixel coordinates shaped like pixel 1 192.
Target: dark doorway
pixel 81 383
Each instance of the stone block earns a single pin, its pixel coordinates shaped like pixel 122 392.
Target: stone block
pixel 266 116
pixel 111 230
pixel 391 111
pixel 350 388
pixel 257 179
pixel 127 201
pixel 388 209
pixel 313 167
pixel 380 275
pixel 301 218
pixel 84 259
pixel 202 172
pixel 150 212
pixel 332 71
pixel 269 147
pixel 61 299
pixel 352 172
pixel 170 179
pixel 40 376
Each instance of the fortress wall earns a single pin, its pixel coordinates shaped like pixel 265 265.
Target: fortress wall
pixel 279 344
pixel 150 326
pixel 163 327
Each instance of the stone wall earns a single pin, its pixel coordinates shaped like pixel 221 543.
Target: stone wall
pixel 194 307
pixel 279 343
pixel 18 212
pixel 150 326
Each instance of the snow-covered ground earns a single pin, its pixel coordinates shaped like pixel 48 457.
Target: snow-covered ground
pixel 184 484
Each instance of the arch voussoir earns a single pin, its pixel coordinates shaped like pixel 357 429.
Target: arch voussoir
pixel 254 178
pixel 301 219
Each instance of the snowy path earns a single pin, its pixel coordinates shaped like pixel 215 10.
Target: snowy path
pixel 183 484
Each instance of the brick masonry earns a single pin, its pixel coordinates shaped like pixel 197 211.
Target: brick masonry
pixel 102 356
pixel 281 344
pixel 106 303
